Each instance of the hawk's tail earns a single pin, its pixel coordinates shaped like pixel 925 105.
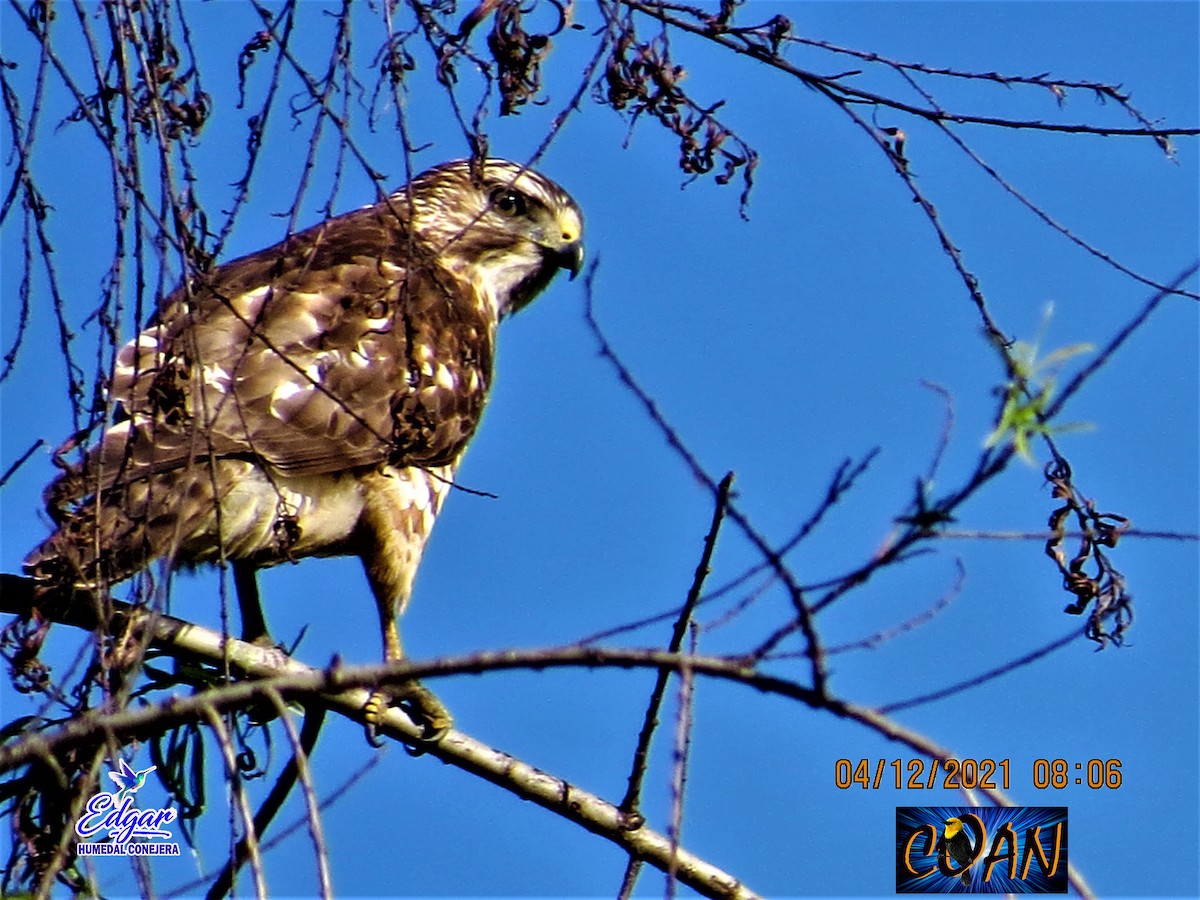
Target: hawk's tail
pixel 107 536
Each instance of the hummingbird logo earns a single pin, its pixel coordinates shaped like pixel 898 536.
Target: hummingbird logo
pixel 127 780
pixel 111 824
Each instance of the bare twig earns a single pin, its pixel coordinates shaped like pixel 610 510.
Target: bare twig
pixel 20 461
pixel 803 620
pixel 297 768
pixel 990 675
pixel 629 804
pixel 837 90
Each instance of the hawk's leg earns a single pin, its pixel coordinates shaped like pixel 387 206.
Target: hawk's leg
pixel 398 512
pixel 420 703
pixel 254 625
pixel 254 629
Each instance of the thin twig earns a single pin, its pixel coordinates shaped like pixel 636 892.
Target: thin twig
pixel 984 677
pixel 629 804
pixel 682 622
pixel 240 801
pixel 837 90
pixel 296 767
pixel 680 755
pixel 803 619
pixel 20 461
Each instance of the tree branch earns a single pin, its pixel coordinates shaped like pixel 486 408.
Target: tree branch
pixel 344 691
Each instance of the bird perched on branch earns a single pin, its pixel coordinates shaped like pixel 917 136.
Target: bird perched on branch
pixel 314 398
pixel 958 847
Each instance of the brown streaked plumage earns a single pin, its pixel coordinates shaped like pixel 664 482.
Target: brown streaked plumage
pixel 314 398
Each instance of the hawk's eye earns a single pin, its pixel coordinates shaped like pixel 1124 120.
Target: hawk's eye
pixel 509 203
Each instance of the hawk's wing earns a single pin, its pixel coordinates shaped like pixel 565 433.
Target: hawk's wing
pixel 325 353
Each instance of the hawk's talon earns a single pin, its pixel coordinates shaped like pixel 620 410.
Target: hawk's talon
pixel 418 703
pixel 372 734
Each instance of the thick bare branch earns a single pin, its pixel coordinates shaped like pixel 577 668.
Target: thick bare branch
pixel 346 691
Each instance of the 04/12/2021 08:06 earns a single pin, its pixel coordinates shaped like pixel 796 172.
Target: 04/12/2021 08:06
pixel 969 774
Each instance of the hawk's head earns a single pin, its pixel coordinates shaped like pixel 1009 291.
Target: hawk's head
pixel 507 228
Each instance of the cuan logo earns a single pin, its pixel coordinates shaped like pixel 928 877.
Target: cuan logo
pixel 112 824
pixel 981 850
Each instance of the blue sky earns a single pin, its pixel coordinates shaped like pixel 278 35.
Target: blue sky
pixel 776 347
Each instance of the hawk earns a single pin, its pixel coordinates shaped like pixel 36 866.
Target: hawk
pixel 315 398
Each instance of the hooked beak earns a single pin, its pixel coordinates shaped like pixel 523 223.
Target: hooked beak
pixel 570 257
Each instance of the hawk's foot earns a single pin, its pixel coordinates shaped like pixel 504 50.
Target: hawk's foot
pixel 418 702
